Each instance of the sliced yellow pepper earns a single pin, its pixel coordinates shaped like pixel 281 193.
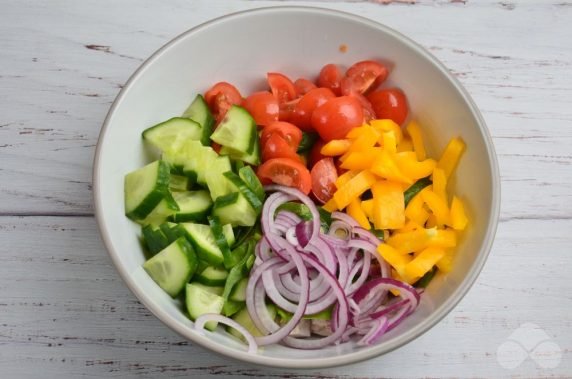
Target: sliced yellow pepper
pixel 409 165
pixel 367 139
pixel 445 264
pixel 394 257
pixel 335 147
pixel 330 206
pixel 415 210
pixel 431 221
pixel 451 156
pixel 353 188
pixel 424 262
pixel 388 205
pixel 395 275
pixel 345 177
pixel 385 167
pixel 442 238
pixel 367 207
pixel 405 145
pixel 361 160
pixel 437 206
pixel 409 242
pixel 458 217
pixel 414 132
pixel 388 125
pixel 409 227
pixel 355 210
pixel 389 142
pixel 440 183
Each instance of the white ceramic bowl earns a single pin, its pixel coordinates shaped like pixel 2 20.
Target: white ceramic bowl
pixel 298 41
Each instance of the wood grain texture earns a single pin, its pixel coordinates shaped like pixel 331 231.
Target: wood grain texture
pixel 64 311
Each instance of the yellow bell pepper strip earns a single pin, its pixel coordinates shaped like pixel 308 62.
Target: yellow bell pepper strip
pixel 458 217
pixel 367 139
pixel 388 205
pixel 330 206
pixel 395 258
pixel 405 145
pixel 353 188
pixel 388 125
pixel 355 210
pixel 415 210
pixel 395 275
pixel 423 262
pixel 440 183
pixel 385 167
pixel 345 177
pixel 442 238
pixel 414 132
pixel 431 221
pixel 389 142
pixel 445 264
pixel 409 227
pixel 437 206
pixel 361 160
pixel 335 147
pixel 451 156
pixel 367 207
pixel 356 132
pixel 413 169
pixel 408 242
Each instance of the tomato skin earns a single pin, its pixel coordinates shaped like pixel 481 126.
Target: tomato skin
pixel 336 117
pixel 303 86
pixel 331 77
pixel 302 113
pixel 363 76
pixel 289 132
pixel 276 146
pixel 389 103
pixel 324 176
pixel 286 172
pixel 221 97
pixel 368 112
pixel 263 107
pixel 315 154
pixel 281 86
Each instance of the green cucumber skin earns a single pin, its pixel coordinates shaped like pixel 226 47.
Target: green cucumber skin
pixel 199 112
pixel 415 188
pixel 155 196
pixel 202 253
pixel 249 177
pixel 248 194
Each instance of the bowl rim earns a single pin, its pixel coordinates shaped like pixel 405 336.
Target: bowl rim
pixel 354 357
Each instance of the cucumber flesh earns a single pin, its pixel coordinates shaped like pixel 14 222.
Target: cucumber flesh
pixel 154 239
pixel 245 191
pixel 239 291
pixel 173 266
pixel 199 112
pixel 249 177
pixel 200 301
pixel 216 290
pixel 145 188
pixel 212 276
pixel 193 206
pixel 234 209
pixel 243 318
pixel 171 134
pixel 204 242
pixel 236 131
pixel 232 307
pixel 218 184
pixel 166 207
pixel 179 183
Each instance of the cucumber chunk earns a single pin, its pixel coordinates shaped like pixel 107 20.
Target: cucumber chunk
pixel 251 158
pixel 200 301
pixel 228 234
pixel 201 236
pixel 236 131
pixel 199 112
pixel 145 188
pixel 243 318
pixel 193 206
pixel 232 307
pixel 239 291
pixel 179 183
pixel 249 177
pixel 248 194
pixel 212 276
pixel 154 239
pixel 173 267
pixel 234 209
pixel 166 208
pixel 216 290
pixel 171 134
pixel 218 185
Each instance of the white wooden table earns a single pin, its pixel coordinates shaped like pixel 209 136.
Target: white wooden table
pixel 64 311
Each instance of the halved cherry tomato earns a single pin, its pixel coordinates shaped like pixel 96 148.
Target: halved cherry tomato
pixel 324 176
pixel 363 76
pixel 368 112
pixel 221 97
pixel 389 103
pixel 302 114
pixel 315 153
pixel 287 110
pixel 286 172
pixel 336 117
pixel 263 107
pixel 289 132
pixel 331 77
pixel 282 88
pixel 303 86
pixel 276 146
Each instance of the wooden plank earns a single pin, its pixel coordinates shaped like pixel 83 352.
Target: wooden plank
pixel 64 312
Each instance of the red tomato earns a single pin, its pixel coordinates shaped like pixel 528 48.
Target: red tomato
pixel 336 117
pixel 315 154
pixel 324 176
pixel 303 86
pixel 330 77
pixel 282 87
pixel 368 112
pixel 276 146
pixel 389 103
pixel 302 114
pixel 286 172
pixel 263 107
pixel 221 97
pixel 287 110
pixel 216 147
pixel 363 76
pixel 289 132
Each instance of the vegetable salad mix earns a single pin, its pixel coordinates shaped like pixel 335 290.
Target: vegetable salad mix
pixel 307 214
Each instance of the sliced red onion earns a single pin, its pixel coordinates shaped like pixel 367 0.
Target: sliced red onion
pixel 378 329
pixel 207 317
pixel 345 218
pixel 304 233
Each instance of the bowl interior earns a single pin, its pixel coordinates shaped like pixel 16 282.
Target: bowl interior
pixel 298 42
